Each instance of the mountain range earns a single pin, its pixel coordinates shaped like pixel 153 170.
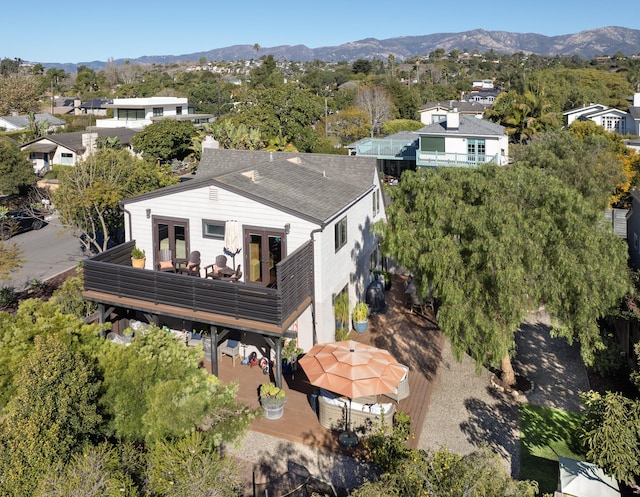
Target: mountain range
pixel 585 44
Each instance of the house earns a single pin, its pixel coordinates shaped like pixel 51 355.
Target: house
pixel 633 116
pixel 433 112
pixel 67 148
pixel 395 153
pixel 96 107
pixel 136 113
pixel 609 118
pixel 463 141
pixel 22 122
pixel 305 222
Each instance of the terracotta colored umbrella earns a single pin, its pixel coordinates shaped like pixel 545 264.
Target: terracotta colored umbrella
pixel 352 369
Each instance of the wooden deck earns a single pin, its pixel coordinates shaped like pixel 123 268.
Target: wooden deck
pixel 413 340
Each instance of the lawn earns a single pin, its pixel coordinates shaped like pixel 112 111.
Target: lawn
pixel 545 434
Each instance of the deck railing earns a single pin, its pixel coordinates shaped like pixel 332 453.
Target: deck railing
pixel 111 272
pixel 388 148
pixel 454 159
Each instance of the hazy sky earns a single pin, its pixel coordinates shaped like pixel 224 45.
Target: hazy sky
pixel 74 31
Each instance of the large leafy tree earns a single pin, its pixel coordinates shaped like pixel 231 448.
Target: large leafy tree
pixel 155 390
pixel 286 112
pixel 495 243
pixel 165 140
pixel 588 161
pixel 611 434
pixel 52 414
pixel 16 172
pixel 88 196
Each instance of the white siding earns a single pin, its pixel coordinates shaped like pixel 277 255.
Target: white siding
pixel 350 265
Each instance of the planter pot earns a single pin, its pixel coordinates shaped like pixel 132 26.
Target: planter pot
pixel 273 411
pixel 360 326
pixel 139 263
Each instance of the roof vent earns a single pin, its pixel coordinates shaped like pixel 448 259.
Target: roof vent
pixel 270 156
pixel 253 175
pixel 295 160
pixel 213 194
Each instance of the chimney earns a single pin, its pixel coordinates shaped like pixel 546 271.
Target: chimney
pixel 636 99
pixel 89 142
pixel 453 120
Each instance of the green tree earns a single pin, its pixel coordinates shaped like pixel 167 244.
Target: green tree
pixel 16 172
pixel 236 137
pixel 494 244
pixel 266 75
pixel 397 125
pixel 590 163
pixel 94 472
pixel 11 258
pixel 53 413
pixel 188 467
pixel 611 434
pixel 362 66
pixel 19 330
pixel 444 474
pixel 287 111
pixel 165 140
pixel 88 196
pixel 155 390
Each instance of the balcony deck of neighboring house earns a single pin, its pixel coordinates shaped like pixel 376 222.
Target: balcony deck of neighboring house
pixel 412 339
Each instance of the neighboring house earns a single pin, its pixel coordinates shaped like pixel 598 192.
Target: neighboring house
pixel 67 148
pixel 21 122
pixel 609 118
pixel 306 236
pixel 463 141
pixel 633 116
pixel 483 96
pixel 395 153
pixel 136 113
pixel 96 107
pixel 433 112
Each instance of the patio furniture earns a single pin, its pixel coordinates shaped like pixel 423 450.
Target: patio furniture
pixel 219 269
pixel 192 266
pixel 402 392
pixel 231 348
pixel 233 276
pixel 365 418
pixel 165 261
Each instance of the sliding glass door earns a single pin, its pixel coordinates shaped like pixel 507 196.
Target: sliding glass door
pixel 172 234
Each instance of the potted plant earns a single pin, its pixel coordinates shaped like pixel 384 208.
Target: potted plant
pixel 341 313
pixel 360 317
pixel 138 258
pixel 290 353
pixel 272 399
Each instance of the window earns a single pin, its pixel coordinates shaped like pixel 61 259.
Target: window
pixel 436 118
pixel 432 144
pixel 66 159
pixel 476 151
pixel 340 233
pixel 158 111
pixel 179 110
pixel 213 229
pixel 376 202
pixel 130 114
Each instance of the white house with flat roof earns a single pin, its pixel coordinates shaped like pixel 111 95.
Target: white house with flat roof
pixel 136 113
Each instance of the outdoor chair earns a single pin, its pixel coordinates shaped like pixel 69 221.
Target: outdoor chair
pixel 192 266
pixel 332 411
pixel 219 269
pixel 165 262
pixel 402 392
pixel 231 348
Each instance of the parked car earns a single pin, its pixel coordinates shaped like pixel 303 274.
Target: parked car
pixel 19 221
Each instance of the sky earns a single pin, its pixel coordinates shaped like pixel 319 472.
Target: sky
pixel 72 31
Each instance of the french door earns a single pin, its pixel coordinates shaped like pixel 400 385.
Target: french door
pixel 476 151
pixel 172 234
pixel 263 250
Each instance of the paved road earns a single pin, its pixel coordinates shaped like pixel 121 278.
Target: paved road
pixel 47 252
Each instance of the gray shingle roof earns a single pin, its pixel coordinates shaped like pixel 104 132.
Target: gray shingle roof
pixel 316 187
pixel 73 141
pixel 469 126
pixel 23 120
